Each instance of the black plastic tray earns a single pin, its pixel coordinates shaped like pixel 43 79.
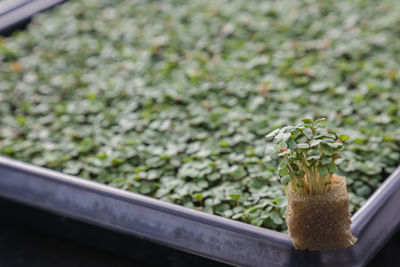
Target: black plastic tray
pixel 193 231
pixel 19 13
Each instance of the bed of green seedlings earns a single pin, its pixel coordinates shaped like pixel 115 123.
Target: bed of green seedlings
pixel 173 99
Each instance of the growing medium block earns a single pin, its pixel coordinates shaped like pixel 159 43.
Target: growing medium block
pixel 320 222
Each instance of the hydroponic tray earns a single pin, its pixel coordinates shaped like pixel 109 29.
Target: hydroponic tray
pixel 193 231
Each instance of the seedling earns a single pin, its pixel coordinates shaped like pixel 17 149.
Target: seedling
pixel 317 214
pixel 309 152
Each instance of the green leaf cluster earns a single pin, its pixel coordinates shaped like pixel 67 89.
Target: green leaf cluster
pixel 309 152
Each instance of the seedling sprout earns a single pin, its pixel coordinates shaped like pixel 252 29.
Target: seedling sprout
pixel 309 151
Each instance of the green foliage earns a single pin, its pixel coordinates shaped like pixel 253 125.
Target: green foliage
pixel 309 152
pixel 172 99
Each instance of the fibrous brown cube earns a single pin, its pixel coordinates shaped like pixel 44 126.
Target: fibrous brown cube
pixel 320 222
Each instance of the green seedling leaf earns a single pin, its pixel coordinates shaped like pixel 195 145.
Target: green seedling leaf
pixel 301 139
pixel 335 145
pixel 315 142
pixel 285 180
pixel 315 157
pixel 326 160
pixel 272 134
pixel 284 171
pixel 235 196
pixel 276 218
pixel 291 143
pixel 282 137
pixel 321 121
pixel 343 137
pixel 257 221
pixel 198 196
pixel 308 133
pixel 282 164
pixel 313 152
pixel 363 191
pixel 270 150
pixel 307 121
pixel 303 146
pixel 332 167
pixel 327 149
pixel 322 170
pixel 284 152
pixel 282 145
